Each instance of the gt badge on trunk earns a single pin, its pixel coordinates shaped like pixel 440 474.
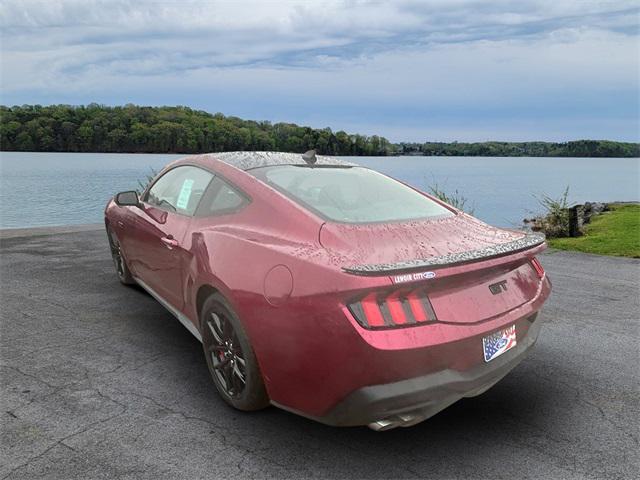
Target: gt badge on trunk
pixel 498 287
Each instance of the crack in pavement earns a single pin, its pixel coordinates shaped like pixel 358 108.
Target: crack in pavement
pixel 60 442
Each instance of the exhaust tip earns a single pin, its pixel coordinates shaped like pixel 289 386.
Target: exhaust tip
pixel 402 420
pixel 382 425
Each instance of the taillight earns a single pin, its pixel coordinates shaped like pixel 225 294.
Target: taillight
pixel 395 309
pixel 538 267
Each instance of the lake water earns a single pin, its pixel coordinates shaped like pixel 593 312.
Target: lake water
pixel 45 189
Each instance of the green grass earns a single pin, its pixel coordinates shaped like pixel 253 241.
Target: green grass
pixel 616 232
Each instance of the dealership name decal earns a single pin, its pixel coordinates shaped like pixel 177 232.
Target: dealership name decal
pixel 412 277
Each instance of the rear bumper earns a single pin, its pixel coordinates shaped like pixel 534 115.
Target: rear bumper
pixel 410 401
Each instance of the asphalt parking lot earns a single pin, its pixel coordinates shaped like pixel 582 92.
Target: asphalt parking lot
pixel 99 381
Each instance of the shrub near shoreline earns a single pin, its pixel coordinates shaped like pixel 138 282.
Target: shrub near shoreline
pixel 614 232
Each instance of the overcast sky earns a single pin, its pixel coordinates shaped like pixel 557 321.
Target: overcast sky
pixel 408 70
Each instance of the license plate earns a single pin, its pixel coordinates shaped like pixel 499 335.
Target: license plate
pixel 499 342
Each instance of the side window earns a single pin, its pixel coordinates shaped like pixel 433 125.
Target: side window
pixel 219 199
pixel 179 190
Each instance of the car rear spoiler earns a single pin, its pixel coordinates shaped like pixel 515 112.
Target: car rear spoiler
pixel 529 240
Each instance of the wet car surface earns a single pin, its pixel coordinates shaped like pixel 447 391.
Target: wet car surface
pixel 328 289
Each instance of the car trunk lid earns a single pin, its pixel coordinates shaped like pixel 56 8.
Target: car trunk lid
pixel 468 271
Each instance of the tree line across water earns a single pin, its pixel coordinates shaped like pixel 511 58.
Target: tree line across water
pixel 577 148
pixel 136 129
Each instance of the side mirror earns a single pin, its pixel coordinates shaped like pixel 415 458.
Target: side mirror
pixel 127 199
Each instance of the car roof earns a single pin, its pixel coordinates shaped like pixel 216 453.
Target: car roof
pixel 250 160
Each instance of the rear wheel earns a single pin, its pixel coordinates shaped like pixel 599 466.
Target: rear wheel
pixel 124 275
pixel 230 358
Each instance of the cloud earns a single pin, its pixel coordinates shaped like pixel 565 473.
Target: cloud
pixel 437 66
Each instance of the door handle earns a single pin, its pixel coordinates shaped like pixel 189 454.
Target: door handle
pixel 120 224
pixel 169 242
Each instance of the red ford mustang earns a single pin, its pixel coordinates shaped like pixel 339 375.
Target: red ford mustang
pixel 328 289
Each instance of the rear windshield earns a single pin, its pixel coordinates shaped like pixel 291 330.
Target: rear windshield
pixel 350 194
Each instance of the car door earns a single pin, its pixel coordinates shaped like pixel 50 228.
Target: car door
pixel 157 256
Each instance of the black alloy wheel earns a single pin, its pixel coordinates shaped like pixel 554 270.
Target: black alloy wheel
pixel 229 356
pixel 124 275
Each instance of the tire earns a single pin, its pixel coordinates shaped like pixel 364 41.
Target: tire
pixel 122 270
pixel 230 358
